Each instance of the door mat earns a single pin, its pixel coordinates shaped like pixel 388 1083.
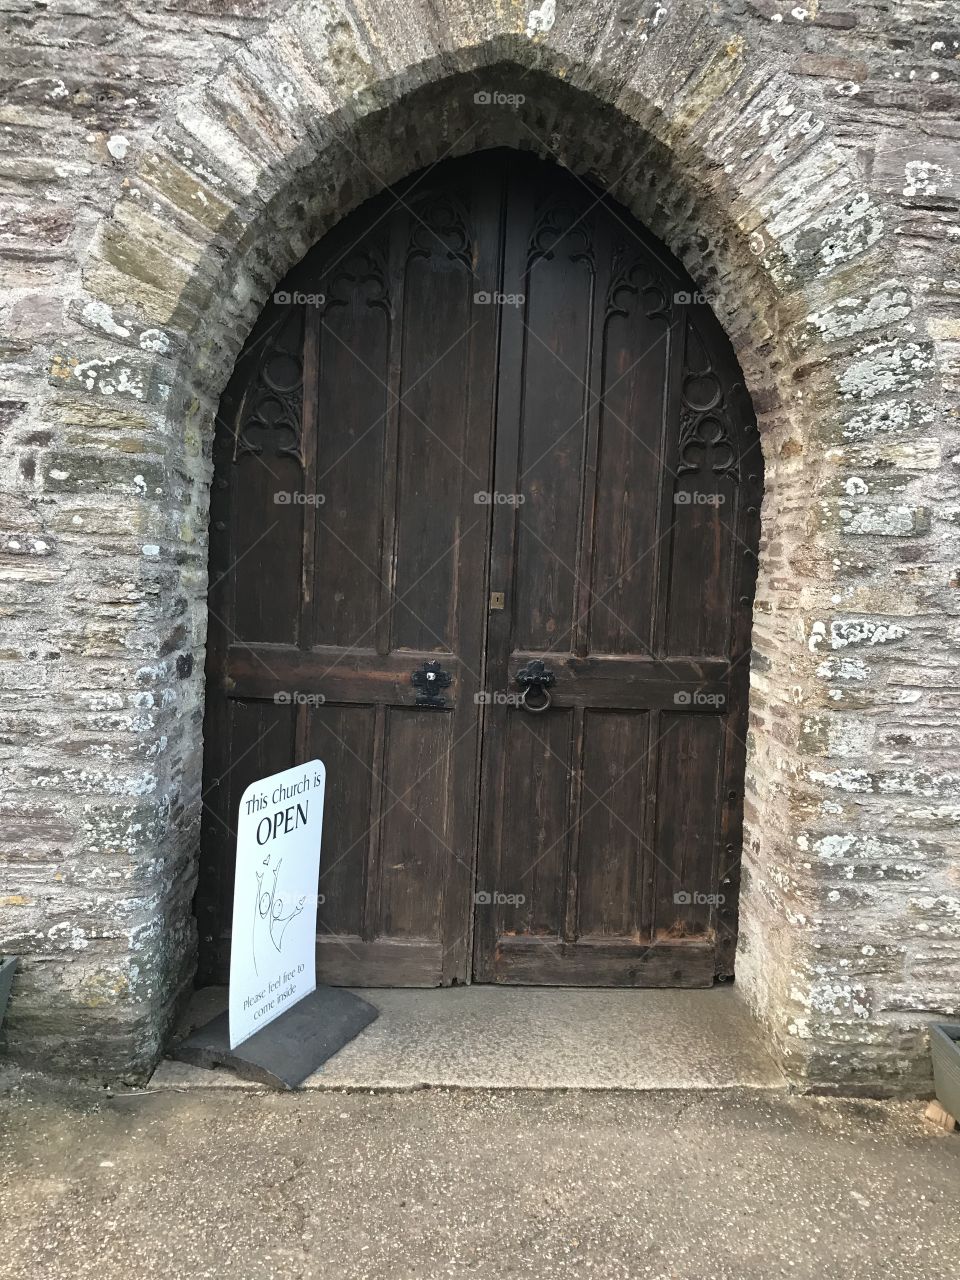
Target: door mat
pixel 289 1049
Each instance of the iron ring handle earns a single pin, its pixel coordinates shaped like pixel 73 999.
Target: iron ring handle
pixel 541 706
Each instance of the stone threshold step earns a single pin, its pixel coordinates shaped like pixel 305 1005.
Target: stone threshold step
pixel 487 1037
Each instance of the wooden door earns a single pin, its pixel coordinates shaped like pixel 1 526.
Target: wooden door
pixel 511 434
pixel 625 550
pixel 347 560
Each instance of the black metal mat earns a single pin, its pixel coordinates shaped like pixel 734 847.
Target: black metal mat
pixel 289 1049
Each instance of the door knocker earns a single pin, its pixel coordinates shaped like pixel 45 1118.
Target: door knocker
pixel 430 681
pixel 535 679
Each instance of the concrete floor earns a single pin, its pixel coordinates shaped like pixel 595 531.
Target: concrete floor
pixel 488 1037
pixel 472 1185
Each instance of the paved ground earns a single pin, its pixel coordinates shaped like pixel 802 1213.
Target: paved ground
pixel 534 1037
pixel 425 1185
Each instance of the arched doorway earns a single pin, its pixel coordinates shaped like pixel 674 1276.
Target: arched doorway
pixel 484 530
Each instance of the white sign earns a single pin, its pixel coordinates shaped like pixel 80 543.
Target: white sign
pixel 273 953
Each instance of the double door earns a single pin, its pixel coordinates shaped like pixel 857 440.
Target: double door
pixel 483 540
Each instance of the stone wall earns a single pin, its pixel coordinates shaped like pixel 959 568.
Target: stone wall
pixel 164 166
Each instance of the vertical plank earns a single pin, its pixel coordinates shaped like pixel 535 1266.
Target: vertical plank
pixel 635 361
pixel 351 429
pixel 688 811
pixel 612 840
pixel 389 495
pixel 537 834
pixel 417 838
pixel 266 520
pixel 344 739
pixel 594 413
pixel 559 288
pixel 704 515
pixel 433 472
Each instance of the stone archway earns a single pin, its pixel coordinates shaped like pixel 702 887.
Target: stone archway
pixel 721 157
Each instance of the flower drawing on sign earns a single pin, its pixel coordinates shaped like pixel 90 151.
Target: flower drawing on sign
pixel 269 919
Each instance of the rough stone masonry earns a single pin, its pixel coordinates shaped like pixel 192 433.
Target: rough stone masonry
pixel 165 163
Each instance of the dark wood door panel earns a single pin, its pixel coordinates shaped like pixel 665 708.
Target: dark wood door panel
pixel 373 434
pixel 346 961
pixel 627 561
pixel 435 507
pixel 689 805
pixel 353 336
pixel 345 740
pixel 538 814
pixel 632 442
pixel 256 524
pixel 614 826
pixel 558 286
